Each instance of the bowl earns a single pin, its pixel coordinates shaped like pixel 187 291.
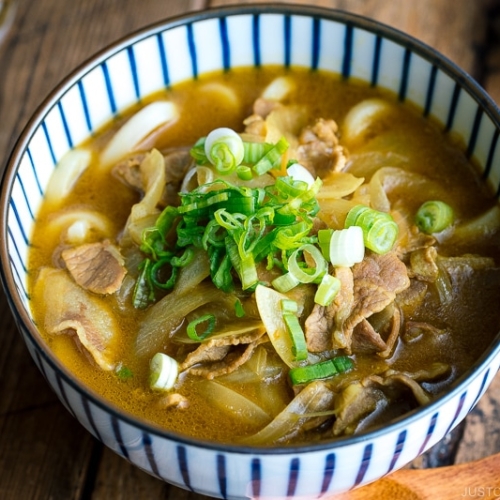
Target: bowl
pixel 217 40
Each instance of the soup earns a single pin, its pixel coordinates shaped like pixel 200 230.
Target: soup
pixel 267 257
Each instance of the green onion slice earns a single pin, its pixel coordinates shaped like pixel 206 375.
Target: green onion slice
pixel 299 347
pixel 224 149
pixel 434 216
pixel 163 372
pixel 327 290
pixel 191 328
pixel 307 274
pixel 322 370
pixel 347 247
pixel 379 228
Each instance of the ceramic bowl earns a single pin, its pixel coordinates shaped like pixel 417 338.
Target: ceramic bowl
pixel 218 40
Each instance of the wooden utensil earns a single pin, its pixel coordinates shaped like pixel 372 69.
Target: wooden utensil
pixel 479 479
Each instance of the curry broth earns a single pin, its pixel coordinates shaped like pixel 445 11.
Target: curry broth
pixel 406 132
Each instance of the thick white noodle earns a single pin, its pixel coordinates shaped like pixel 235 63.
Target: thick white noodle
pixel 136 129
pixel 67 172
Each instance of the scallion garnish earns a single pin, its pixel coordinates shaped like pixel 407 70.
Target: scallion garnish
pixel 163 372
pixel 434 216
pixel 322 370
pixel 238 226
pixel 224 149
pixel 209 319
pixel 327 290
pixel 299 346
pixel 379 229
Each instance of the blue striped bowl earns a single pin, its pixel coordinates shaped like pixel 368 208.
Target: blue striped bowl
pixel 219 40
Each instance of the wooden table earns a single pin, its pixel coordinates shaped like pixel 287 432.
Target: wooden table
pixel 44 452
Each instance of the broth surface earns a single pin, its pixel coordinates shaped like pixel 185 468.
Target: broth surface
pixel 462 329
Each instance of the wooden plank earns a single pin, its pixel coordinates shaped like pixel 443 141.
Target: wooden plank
pixel 423 19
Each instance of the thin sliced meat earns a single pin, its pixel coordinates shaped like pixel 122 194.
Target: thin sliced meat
pixel 97 267
pixel 70 309
pixel 377 280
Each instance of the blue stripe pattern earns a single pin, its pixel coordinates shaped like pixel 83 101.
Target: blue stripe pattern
pixel 163 60
pixel 453 107
pixel 133 72
pixel 65 125
pixel 54 139
pixel 109 88
pixel 457 412
pixel 403 87
pixel 256 40
pixel 85 106
pixel 90 417
pixel 328 472
pixel 430 432
pixel 49 143
pixel 192 50
pixel 115 424
pixel 365 463
pixel 222 475
pixel 287 32
pixel 256 474
pixel 184 466
pixel 316 45
pixel 430 90
pixel 399 449
pixel 376 60
pixel 226 46
pixel 293 477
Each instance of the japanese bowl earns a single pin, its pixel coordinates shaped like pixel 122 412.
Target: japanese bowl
pixel 218 40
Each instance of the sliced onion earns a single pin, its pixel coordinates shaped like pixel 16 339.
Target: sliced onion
pixel 234 403
pixel 136 129
pixel 269 305
pixel 361 118
pixel 67 172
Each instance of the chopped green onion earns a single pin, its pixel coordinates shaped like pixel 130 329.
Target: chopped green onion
pixel 254 151
pixel 324 238
pixel 224 149
pixel 163 372
pixel 327 290
pixel 381 236
pixel 244 172
pixel 191 328
pixel 123 372
pixel 347 247
pixel 272 159
pixel 434 216
pixel 143 293
pixel 379 229
pixel 238 309
pixel 322 370
pixel 285 282
pixel 299 347
pixel 307 274
pixel 299 173
pixel 289 306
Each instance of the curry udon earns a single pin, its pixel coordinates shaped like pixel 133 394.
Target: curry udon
pixel 267 256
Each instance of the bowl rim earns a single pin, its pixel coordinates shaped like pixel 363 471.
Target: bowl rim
pixel 9 173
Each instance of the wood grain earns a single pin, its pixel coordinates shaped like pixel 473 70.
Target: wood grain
pixel 44 452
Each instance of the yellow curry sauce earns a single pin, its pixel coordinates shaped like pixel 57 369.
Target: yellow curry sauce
pixel 465 331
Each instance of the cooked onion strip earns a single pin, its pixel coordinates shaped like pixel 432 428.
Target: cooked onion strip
pixel 67 172
pixel 136 129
